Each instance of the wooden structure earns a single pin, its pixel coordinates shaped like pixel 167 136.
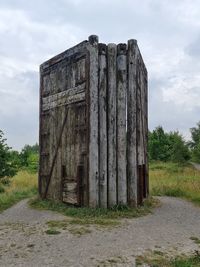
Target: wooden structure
pixel 93 125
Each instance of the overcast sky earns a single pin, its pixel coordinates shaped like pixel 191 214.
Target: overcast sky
pixel 168 34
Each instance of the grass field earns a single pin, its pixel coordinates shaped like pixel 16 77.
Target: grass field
pixel 171 179
pixel 21 186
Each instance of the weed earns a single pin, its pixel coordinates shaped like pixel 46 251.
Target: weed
pixel 114 261
pixel 78 231
pixel 52 232
pixel 171 179
pixel 156 259
pixel 97 216
pixel 195 239
pixel 68 225
pixel 23 185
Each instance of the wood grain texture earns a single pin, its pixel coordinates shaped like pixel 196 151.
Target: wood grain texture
pixel 131 123
pixel 112 173
pixel 103 125
pixel 121 124
pixel 93 126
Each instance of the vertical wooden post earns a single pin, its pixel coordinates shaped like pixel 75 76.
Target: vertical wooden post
pixel 145 79
pixel 93 123
pixel 40 182
pixel 131 124
pixel 121 123
pixel 103 125
pixel 112 184
pixel 139 124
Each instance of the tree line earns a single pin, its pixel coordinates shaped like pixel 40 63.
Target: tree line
pixel 171 146
pixel 162 146
pixel 12 161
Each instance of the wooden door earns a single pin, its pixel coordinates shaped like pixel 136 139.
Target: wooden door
pixel 74 161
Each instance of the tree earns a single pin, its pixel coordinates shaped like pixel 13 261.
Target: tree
pixel 158 145
pixel 167 146
pixel 195 143
pixel 29 157
pixel 8 167
pixel 179 151
pixel 25 153
pixel 33 160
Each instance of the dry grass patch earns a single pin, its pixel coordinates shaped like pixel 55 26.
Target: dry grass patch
pixel 159 259
pixel 21 186
pixel 171 179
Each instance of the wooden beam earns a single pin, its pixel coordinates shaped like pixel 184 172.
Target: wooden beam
pixel 93 123
pixel 121 123
pixel 112 183
pixel 131 123
pixel 103 125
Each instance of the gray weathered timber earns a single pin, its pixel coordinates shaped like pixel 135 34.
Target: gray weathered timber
pixel 121 124
pixel 146 130
pixel 103 125
pixel 94 124
pixel 112 174
pixel 131 123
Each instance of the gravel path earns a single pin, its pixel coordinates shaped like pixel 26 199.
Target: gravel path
pixel 23 241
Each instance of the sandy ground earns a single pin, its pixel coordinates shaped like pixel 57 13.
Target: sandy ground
pixel 24 242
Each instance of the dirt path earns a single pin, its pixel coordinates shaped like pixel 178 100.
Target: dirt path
pixel 23 241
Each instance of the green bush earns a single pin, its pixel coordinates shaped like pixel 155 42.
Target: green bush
pixel 7 164
pixel 170 146
pixel 29 158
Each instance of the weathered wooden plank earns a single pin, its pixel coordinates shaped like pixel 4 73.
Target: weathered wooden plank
pixel 40 178
pixel 139 127
pixel 121 123
pixel 69 92
pixel 78 51
pixel 52 147
pixel 94 123
pixel 44 137
pixel 146 129
pixel 63 151
pixel 112 183
pixel 58 182
pixel 70 197
pixel 80 71
pixel 145 123
pixel 103 124
pixel 139 124
pixel 64 101
pixel 131 123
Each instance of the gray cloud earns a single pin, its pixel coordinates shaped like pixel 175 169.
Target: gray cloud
pixel 33 31
pixel 193 49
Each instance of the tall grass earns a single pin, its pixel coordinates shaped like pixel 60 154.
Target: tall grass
pixel 176 180
pixel 23 185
